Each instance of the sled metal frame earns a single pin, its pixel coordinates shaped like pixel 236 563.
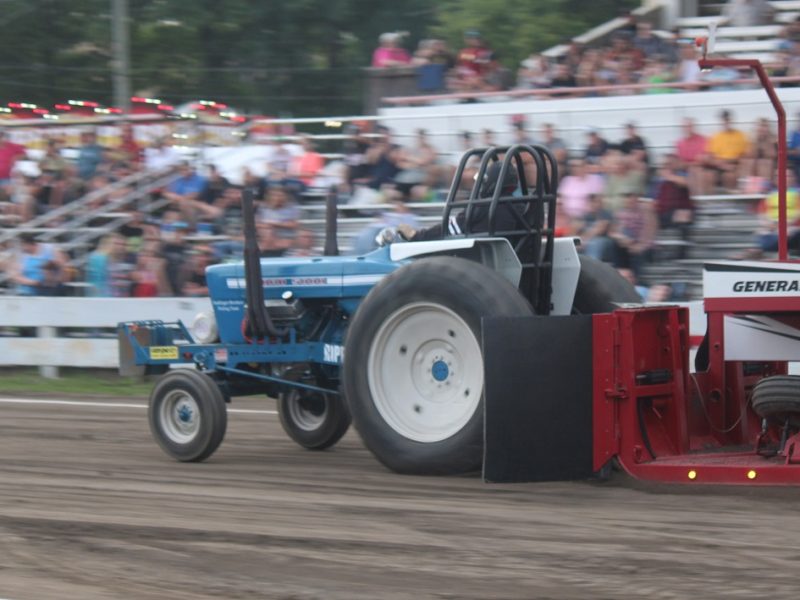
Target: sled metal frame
pixel 701 428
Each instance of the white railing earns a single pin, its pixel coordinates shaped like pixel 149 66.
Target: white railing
pixel 94 347
pixel 85 344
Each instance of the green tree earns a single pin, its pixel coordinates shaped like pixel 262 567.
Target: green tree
pixel 303 57
pixel 515 29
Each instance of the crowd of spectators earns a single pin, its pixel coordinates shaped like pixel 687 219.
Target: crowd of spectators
pixel 158 253
pixel 613 193
pixel 636 55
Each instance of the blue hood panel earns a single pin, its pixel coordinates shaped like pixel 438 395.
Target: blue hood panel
pixel 332 277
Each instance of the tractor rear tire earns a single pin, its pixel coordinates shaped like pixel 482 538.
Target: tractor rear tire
pixel 778 399
pixel 601 288
pixel 413 366
pixel 187 415
pixel 313 420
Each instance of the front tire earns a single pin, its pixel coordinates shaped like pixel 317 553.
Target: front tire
pixel 187 415
pixel 313 420
pixel 413 368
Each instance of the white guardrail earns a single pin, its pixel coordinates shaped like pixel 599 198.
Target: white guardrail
pixel 74 332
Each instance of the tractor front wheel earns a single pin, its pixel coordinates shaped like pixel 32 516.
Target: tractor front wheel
pixel 313 420
pixel 187 415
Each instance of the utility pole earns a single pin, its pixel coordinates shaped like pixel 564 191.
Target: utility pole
pixel 120 63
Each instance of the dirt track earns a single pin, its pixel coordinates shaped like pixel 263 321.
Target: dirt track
pixel 91 508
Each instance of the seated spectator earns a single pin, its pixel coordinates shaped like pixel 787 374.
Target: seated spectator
pixel 160 156
pixel 767 232
pixel 496 77
pixel 112 247
pixel 633 143
pixel 279 160
pixel 586 71
pixel 634 230
pixel 9 154
pixel 269 243
pixel 389 53
pixel 302 245
pixel 129 151
pixel 576 188
pixel 149 278
pixel 229 220
pixel 688 69
pixel 194 276
pixel 53 184
pixel 433 60
pixel 355 148
pixel 596 148
pixel 29 273
pixel 282 213
pixel 90 155
pixel 657 71
pixel 471 63
pixel 651 45
pixel 724 151
pixel 384 157
pixel 554 143
pixel 562 78
pixel 307 165
pixel 758 164
pixel 215 186
pixel 534 73
pixel 174 249
pixel 674 206
pixel 594 230
pixel 625 174
pixel 186 191
pixel 690 149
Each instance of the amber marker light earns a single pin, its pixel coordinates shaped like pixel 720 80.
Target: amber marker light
pixel 751 474
pixel 692 474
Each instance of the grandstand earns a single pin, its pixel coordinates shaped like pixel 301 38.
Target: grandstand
pixel 724 223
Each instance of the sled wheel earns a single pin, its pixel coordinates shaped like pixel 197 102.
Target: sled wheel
pixel 312 419
pixel 601 288
pixel 187 415
pixel 413 366
pixel 778 399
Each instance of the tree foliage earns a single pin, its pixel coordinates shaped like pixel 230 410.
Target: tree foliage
pixel 269 56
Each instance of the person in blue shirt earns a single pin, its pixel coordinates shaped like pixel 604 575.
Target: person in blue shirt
pixel 33 272
pixel 186 191
pixel 90 156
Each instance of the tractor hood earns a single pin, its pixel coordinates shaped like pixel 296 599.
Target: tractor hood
pixel 317 277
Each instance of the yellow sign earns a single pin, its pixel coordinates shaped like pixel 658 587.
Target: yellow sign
pixel 163 352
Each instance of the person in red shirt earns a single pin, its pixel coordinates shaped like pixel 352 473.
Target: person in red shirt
pixel 690 149
pixel 307 165
pixel 9 153
pixel 471 64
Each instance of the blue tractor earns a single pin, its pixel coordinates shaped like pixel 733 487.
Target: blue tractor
pixel 390 339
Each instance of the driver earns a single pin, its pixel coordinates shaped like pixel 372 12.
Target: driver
pixel 479 218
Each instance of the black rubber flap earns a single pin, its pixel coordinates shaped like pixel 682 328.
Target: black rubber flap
pixel 538 398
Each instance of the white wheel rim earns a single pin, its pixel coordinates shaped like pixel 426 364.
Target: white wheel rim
pixel 303 416
pixel 180 416
pixel 425 372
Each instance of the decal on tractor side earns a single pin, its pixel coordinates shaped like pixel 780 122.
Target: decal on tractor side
pixel 163 352
pixel 332 353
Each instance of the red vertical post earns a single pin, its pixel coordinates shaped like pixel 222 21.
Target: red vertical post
pixel 709 63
